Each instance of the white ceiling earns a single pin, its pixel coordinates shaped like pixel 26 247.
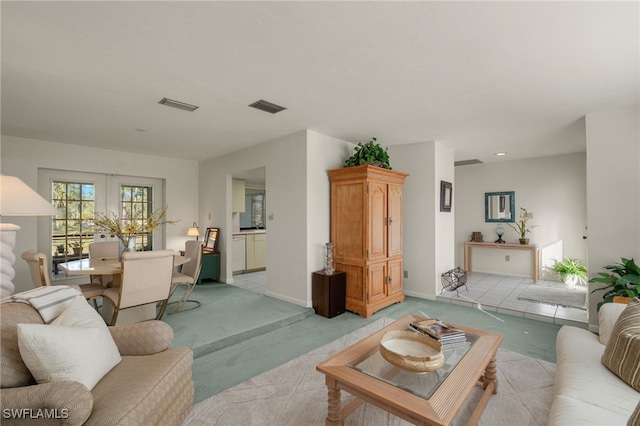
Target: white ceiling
pixel 481 77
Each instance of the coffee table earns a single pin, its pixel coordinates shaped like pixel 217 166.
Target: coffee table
pixel 433 398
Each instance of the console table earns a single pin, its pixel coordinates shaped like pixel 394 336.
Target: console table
pixel 468 246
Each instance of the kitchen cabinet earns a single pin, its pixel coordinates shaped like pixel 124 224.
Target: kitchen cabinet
pixel 366 232
pixel 239 254
pixel 237 195
pixel 256 251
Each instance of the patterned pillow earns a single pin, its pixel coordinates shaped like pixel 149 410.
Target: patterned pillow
pixel 634 420
pixel 622 352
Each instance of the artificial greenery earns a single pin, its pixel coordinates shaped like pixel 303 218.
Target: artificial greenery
pixel 369 153
pixel 568 267
pixel 521 224
pixel 623 280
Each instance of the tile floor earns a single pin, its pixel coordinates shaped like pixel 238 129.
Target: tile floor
pixel 499 293
pixel 252 281
pixel 494 293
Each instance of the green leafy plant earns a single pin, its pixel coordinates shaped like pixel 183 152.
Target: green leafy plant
pixel 571 267
pixel 369 153
pixel 75 244
pixel 60 248
pixel 521 226
pixel 623 280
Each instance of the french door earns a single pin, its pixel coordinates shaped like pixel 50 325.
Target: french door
pixel 78 196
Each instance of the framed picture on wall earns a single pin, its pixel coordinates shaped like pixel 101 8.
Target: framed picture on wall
pixel 446 196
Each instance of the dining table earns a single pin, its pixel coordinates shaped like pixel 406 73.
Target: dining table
pixel 113 266
pixel 104 266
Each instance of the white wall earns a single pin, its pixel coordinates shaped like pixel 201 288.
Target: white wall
pixel 613 182
pixel 323 153
pixel 23 157
pixel 297 193
pixel 427 232
pixel 552 188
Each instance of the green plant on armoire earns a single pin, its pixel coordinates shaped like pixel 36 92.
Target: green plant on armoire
pixel 369 153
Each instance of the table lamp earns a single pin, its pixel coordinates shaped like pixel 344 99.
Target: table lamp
pixel 500 233
pixel 16 199
pixel 194 231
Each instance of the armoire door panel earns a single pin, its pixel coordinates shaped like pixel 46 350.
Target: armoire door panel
pixel 349 210
pixel 376 281
pixel 394 283
pixel 377 221
pixel 394 197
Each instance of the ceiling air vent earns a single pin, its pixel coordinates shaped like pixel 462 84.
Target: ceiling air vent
pixel 467 162
pixel 263 105
pixel 178 104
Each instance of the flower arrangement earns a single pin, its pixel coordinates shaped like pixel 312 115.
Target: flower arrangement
pixel 127 229
pixel 521 225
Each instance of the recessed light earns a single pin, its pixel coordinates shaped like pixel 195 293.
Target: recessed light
pixel 178 104
pixel 500 154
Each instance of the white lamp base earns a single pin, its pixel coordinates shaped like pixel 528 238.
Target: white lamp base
pixel 8 258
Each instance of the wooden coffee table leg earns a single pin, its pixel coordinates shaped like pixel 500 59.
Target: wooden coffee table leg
pixel 334 416
pixel 490 375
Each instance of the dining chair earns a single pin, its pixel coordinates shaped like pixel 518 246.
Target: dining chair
pixel 39 268
pixel 146 278
pixel 187 277
pixel 104 250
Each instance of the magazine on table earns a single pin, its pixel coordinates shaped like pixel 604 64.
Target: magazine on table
pixel 440 331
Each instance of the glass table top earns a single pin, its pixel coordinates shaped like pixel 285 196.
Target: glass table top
pixel 420 384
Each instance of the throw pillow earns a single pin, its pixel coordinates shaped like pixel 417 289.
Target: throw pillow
pixel 622 352
pixel 75 346
pixel 634 420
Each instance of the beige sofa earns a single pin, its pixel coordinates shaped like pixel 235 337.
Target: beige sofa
pixel 152 384
pixel 586 392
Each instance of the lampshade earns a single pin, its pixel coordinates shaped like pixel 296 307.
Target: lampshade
pixel 193 231
pixel 18 199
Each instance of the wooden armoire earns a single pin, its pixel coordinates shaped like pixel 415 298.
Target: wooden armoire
pixel 366 232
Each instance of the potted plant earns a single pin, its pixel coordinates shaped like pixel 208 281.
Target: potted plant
pixel 369 153
pixel 521 226
pixel 571 271
pixel 76 247
pixel 61 249
pixel 622 281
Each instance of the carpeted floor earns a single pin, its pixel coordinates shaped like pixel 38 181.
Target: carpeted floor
pixel 560 295
pixel 237 334
pixel 294 393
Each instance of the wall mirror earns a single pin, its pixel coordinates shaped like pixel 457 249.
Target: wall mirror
pixel 499 206
pixel 211 239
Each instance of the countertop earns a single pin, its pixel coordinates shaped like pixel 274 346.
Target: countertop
pixel 250 232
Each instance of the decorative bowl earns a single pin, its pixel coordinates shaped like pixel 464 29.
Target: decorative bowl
pixel 411 351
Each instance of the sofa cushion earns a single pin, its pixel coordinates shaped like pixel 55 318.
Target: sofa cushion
pixel 622 352
pixel 581 376
pixel 13 372
pixel 607 317
pixel 153 383
pixel 76 346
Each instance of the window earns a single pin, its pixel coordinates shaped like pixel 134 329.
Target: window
pixel 72 231
pixel 136 205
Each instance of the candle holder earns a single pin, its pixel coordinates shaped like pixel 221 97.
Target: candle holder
pixel 328 268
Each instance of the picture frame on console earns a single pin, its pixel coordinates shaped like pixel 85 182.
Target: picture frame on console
pixel 211 239
pixel 446 196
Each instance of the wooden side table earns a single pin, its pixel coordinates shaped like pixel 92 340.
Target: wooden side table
pixel 329 292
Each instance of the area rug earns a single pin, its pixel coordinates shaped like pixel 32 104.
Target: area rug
pixel 295 394
pixel 559 295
